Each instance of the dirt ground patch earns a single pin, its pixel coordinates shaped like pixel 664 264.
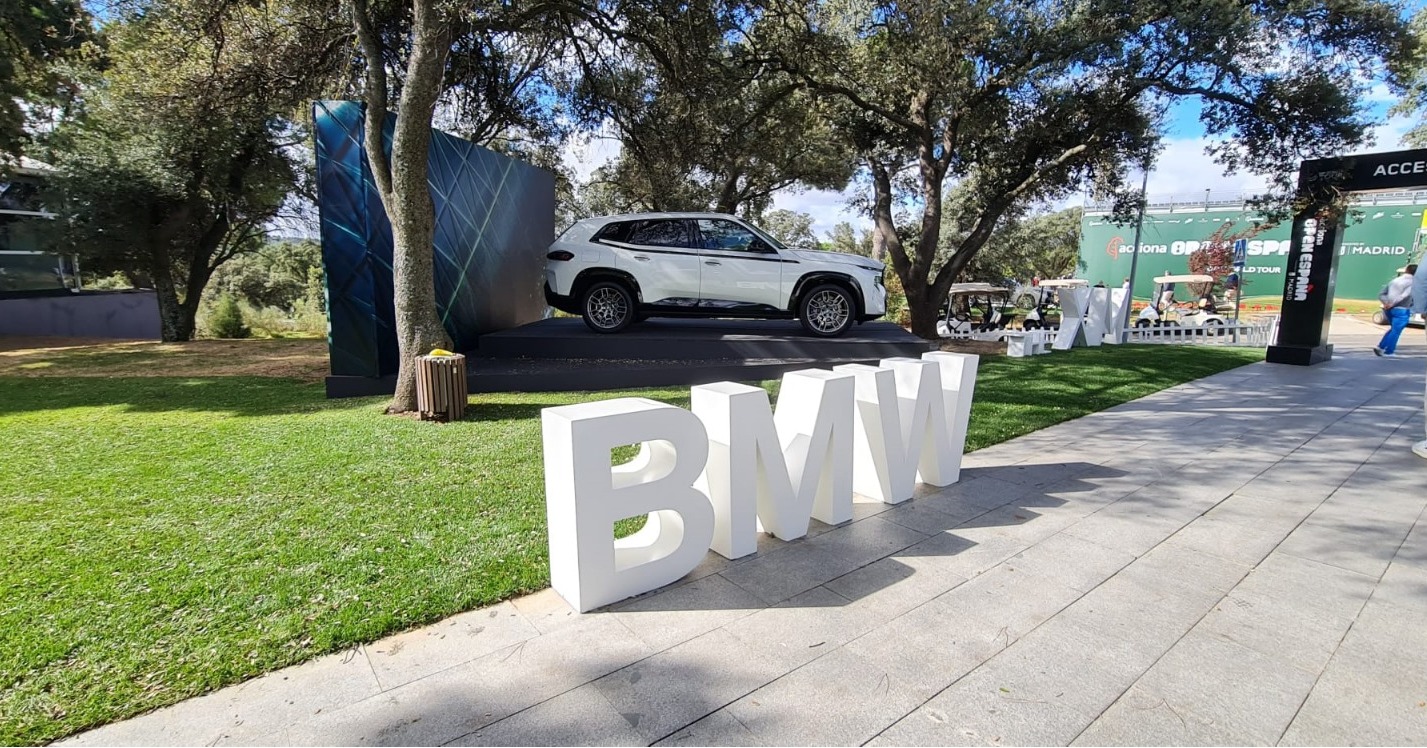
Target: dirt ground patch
pixel 89 357
pixel 978 347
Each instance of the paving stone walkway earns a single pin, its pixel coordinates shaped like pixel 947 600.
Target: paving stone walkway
pixel 1239 560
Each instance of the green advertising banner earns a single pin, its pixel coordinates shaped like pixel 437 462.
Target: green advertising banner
pixel 1378 241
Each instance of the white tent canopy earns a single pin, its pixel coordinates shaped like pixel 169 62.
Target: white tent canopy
pixel 978 288
pixel 1184 279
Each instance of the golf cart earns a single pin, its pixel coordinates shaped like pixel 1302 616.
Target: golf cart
pixel 1203 312
pixel 989 298
pixel 1379 317
pixel 1043 297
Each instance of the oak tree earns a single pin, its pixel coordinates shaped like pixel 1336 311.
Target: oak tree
pixel 1027 100
pixel 182 154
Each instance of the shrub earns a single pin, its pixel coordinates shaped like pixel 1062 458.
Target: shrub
pixel 226 321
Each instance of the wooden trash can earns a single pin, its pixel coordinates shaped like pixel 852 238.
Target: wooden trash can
pixel 441 387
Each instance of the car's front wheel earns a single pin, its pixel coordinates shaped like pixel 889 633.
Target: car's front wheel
pixel 608 306
pixel 827 311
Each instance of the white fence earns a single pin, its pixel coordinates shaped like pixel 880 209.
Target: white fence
pixel 1245 334
pixel 1256 334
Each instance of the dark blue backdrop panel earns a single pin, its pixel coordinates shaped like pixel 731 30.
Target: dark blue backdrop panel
pixel 495 219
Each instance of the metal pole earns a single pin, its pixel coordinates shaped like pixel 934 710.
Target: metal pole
pixel 1135 257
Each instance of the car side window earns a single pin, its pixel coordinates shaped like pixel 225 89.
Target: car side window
pixel 727 235
pixel 614 232
pixel 660 233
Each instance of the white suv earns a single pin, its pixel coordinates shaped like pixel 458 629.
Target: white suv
pixel 616 270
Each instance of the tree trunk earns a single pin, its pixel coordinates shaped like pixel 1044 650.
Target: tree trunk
pixel 921 298
pixel 924 307
pixel 176 320
pixel 402 181
pixel 412 214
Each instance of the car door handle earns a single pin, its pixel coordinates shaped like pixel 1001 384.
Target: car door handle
pixel 642 258
pixel 714 263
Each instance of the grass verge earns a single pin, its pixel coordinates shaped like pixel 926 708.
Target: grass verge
pixel 170 535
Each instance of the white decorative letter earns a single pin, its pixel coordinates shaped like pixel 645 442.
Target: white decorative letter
pixel 746 476
pixel 1072 317
pixel 903 430
pixel 958 386
pixel 584 497
pixel 1097 317
pixel 878 469
pixel 815 431
pixel 779 470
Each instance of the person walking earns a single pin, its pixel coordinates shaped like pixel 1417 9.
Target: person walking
pixel 1396 298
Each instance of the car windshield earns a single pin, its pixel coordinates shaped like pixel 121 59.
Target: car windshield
pixel 774 243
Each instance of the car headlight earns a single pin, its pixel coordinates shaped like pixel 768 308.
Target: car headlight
pixel 878 278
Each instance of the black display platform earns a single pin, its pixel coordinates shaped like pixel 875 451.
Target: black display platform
pixel 562 354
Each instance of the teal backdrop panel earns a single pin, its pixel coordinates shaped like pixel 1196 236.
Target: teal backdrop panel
pixel 495 219
pixel 1379 239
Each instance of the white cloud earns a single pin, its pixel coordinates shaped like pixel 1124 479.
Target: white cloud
pixel 1184 170
pixel 1388 135
pixel 1379 93
pixel 585 152
pixel 828 208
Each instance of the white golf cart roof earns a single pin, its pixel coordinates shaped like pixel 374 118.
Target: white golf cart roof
pixel 1064 282
pixel 1184 279
pixel 978 288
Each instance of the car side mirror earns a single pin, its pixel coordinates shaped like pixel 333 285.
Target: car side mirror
pixel 761 247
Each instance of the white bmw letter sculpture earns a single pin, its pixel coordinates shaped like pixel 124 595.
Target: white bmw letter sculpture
pixel 774 472
pixel 714 478
pixel 584 497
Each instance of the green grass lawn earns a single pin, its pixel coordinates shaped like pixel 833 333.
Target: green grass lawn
pixel 168 536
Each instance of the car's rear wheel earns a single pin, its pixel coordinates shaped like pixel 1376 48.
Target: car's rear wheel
pixel 607 306
pixel 1379 317
pixel 827 311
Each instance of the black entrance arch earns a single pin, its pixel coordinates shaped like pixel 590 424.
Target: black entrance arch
pixel 1317 231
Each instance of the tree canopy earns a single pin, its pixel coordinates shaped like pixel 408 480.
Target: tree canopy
pixel 43 45
pixel 704 123
pixel 180 157
pixel 1025 101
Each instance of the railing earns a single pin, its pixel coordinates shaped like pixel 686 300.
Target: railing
pixel 1242 335
pixel 1256 334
